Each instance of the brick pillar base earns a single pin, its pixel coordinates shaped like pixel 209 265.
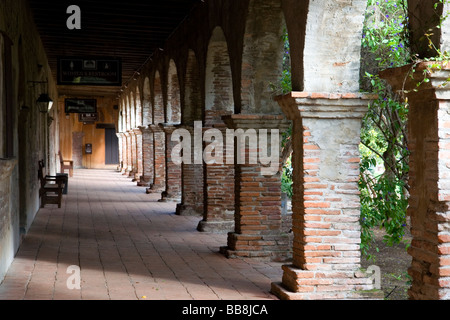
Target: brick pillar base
pixel 134 170
pixel 173 171
pixel 429 180
pixel 124 158
pixel 192 186
pixel 159 157
pixel 129 168
pixel 258 194
pixel 326 204
pixel 120 138
pixel 138 161
pixel 218 215
pixel 146 179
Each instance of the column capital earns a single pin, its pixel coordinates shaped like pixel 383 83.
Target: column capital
pixel 155 128
pixel 145 130
pixel 298 105
pixel 137 131
pixel 410 78
pixel 256 121
pixel 169 127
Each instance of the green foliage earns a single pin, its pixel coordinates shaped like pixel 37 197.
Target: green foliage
pixel 385 157
pixel 385 33
pixel 286 83
pixel 286 87
pixel 286 178
pixel 384 153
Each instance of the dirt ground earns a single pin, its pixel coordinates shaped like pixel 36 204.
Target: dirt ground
pixel 394 263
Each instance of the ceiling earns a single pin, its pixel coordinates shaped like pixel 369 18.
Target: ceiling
pixel 130 29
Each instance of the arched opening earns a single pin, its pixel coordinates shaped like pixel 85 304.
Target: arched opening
pixel 132 110
pixel 173 95
pixel 383 180
pixel 263 57
pixel 139 112
pixel 158 101
pixel 219 208
pixel 147 115
pixel 159 150
pixel 192 174
pixel 218 79
pixel 192 110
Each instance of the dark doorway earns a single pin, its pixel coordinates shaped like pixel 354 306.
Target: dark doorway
pixel 111 146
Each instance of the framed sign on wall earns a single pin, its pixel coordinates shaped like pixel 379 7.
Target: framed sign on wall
pixel 96 71
pixel 75 105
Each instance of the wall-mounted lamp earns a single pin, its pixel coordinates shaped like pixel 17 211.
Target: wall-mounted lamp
pixel 45 103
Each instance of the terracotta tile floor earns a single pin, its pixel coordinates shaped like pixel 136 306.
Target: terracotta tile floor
pixel 128 246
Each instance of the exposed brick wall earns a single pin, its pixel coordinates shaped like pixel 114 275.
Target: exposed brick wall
pixel 133 155
pixel 219 188
pixel 147 178
pixel 192 191
pixel 124 154
pixel 173 171
pixel 258 218
pixel 159 164
pixel 326 208
pixel 429 180
pixel 139 152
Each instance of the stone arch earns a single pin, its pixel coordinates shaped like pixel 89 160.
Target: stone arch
pixel 262 60
pixel 218 78
pixel 147 116
pixel 158 100
pixel 325 56
pixel 193 99
pixel 173 113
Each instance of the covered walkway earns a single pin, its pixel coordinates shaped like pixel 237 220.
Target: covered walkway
pixel 128 246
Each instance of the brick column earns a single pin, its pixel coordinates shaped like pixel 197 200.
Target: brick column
pixel 138 138
pixel 133 173
pixel 124 154
pixel 146 179
pixel 159 159
pixel 120 138
pixel 173 171
pixel 258 194
pixel 129 147
pixel 191 185
pixel 218 213
pixel 429 180
pixel 326 204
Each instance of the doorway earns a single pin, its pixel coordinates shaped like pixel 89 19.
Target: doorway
pixel 111 146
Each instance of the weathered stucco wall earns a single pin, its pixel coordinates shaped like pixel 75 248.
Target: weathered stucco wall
pixel 32 132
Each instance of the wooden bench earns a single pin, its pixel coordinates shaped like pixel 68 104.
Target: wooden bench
pixel 66 164
pixel 51 187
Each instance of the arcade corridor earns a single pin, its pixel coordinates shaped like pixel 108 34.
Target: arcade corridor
pixel 128 247
pixel 181 213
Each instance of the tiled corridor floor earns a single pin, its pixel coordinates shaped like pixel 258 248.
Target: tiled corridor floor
pixel 128 246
